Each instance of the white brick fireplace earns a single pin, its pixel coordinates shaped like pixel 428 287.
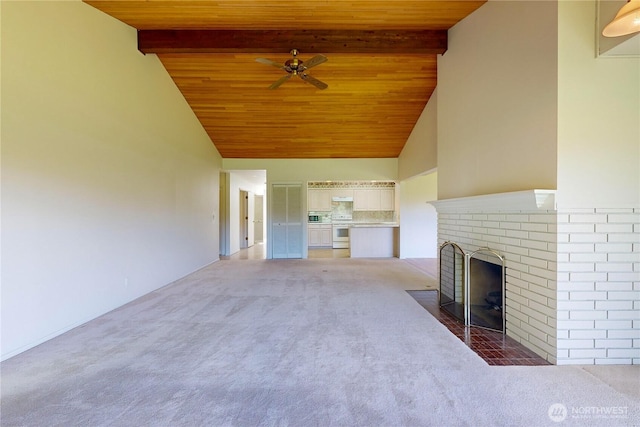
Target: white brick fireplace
pixel 572 278
pixel 599 286
pixel 521 226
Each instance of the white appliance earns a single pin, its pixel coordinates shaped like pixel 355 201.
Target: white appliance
pixel 342 199
pixel 340 236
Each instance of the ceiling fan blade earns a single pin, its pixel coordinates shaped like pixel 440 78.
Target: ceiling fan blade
pixel 317 83
pixel 281 80
pixel 269 62
pixel 316 60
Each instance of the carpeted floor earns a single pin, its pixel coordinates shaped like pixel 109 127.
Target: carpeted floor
pixel 322 342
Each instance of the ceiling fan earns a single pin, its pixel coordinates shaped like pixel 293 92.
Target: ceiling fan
pixel 297 67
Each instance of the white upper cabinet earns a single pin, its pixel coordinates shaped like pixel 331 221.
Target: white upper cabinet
pixel 319 200
pixel 367 196
pixel 373 199
pixel 366 199
pixel 387 199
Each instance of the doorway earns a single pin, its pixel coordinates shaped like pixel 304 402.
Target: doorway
pixel 238 191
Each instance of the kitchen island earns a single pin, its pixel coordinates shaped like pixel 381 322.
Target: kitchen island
pixel 374 240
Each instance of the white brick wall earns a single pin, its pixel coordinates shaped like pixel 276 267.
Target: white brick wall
pixel 599 286
pixel 573 276
pixel 527 241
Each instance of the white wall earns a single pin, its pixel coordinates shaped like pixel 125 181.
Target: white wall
pixel 224 214
pixel 420 153
pixel 109 183
pixel 599 118
pixel 418 219
pixel 497 101
pixel 598 196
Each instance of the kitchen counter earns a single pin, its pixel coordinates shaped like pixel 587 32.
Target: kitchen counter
pixel 374 240
pixel 374 224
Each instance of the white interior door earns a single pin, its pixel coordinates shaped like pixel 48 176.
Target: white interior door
pixel 279 218
pixel 258 220
pixel 251 211
pixel 294 221
pixel 244 219
pixel 286 208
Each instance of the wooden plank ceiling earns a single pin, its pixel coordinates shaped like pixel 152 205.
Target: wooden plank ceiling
pixel 381 69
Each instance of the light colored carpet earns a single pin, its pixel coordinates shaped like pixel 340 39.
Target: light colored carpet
pixel 333 342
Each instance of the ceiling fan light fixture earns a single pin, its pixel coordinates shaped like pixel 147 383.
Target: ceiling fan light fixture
pixel 626 21
pixel 297 67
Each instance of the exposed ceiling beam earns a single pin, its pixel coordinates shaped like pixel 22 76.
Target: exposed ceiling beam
pixel 307 41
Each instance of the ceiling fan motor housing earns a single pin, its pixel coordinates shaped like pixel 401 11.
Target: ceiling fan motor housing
pixel 294 65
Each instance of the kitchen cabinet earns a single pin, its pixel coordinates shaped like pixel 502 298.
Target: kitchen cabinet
pixel 326 236
pixel 366 199
pixel 373 199
pixel 387 199
pixel 320 235
pixel 319 200
pixel 374 241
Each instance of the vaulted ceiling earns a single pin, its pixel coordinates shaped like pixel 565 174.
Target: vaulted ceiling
pixel 381 69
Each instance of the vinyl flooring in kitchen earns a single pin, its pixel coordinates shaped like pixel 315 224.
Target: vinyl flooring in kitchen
pixel 259 251
pixel 328 253
pixel 494 347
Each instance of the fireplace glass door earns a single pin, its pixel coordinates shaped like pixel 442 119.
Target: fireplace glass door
pixel 485 290
pixel 472 286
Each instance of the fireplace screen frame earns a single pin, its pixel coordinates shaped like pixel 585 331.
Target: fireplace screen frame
pixel 451 296
pixel 488 253
pixel 452 301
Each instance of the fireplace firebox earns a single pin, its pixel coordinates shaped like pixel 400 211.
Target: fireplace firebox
pixel 472 286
